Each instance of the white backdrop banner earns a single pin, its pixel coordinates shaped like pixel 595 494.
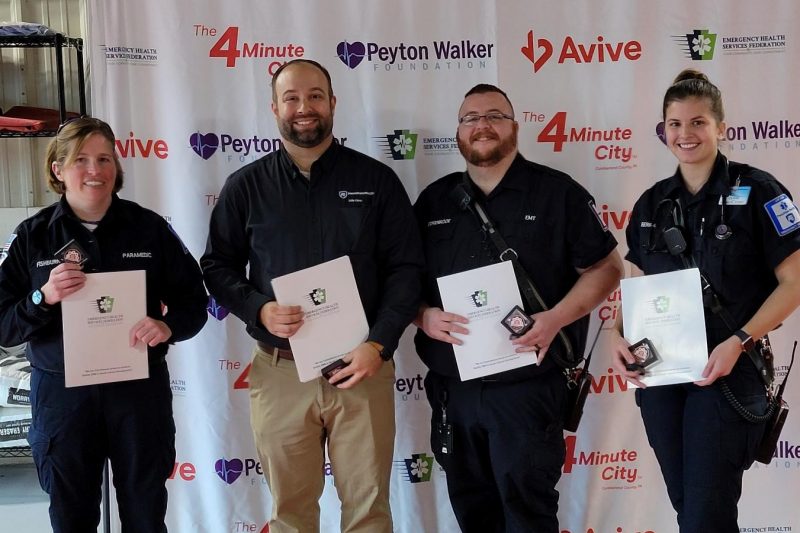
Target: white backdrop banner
pixel 185 85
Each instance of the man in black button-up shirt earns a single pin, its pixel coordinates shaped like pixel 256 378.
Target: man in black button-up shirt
pixel 507 445
pixel 311 202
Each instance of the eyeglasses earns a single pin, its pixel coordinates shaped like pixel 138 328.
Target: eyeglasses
pixel 493 118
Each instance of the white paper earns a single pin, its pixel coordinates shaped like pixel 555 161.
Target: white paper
pixel 334 321
pixel 97 322
pixel 484 295
pixel 668 309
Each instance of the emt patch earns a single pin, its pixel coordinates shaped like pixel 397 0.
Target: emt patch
pixel 783 214
pixel 6 247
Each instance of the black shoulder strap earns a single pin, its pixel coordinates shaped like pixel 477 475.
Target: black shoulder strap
pixel 533 299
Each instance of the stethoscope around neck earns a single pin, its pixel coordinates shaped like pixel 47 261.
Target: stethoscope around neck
pixel 724 231
pixel 669 218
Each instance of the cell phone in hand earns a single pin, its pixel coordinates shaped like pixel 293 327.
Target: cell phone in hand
pixel 332 369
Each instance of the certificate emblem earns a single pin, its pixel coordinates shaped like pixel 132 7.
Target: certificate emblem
pixel 517 322
pixel 72 253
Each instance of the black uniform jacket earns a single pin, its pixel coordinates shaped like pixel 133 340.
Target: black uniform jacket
pixel 740 267
pixel 272 219
pixel 129 237
pixel 543 214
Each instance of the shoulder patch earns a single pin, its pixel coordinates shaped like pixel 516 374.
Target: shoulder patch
pixel 783 214
pixel 7 247
pixel 183 246
pixel 593 209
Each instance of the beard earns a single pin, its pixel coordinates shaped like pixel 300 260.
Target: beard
pixel 306 138
pixel 487 158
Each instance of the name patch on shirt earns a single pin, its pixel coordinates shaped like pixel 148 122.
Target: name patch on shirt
pixel 357 198
pixel 47 262
pixel 7 247
pixel 783 214
pixel 738 196
pixel 439 222
pixel 137 255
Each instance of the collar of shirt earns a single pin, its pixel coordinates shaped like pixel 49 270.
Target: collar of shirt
pixel 321 166
pixel 717 184
pixel 63 209
pixel 515 179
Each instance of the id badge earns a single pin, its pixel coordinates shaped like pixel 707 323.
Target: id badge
pixel 738 196
pixel 444 433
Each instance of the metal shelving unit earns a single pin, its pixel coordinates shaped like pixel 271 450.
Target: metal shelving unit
pixel 58 42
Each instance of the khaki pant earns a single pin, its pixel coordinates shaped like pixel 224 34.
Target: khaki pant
pixel 291 423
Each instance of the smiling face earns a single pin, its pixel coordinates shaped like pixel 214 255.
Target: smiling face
pixel 89 178
pixel 303 105
pixel 484 144
pixel 693 132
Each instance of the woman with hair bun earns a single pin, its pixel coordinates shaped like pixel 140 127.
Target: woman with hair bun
pixel 741 230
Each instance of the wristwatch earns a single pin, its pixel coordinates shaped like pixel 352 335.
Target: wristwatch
pixel 37 297
pixel 747 340
pixel 381 350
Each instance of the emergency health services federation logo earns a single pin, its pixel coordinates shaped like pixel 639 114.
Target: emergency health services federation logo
pixel 698 45
pixel 317 296
pixel 661 304
pixel 105 304
pixel 417 469
pixel 400 145
pixel 480 298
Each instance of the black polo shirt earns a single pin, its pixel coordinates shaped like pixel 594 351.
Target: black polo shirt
pixel 274 220
pixel 741 268
pixel 546 216
pixel 129 237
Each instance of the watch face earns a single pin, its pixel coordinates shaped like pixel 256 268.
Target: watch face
pixel 37 297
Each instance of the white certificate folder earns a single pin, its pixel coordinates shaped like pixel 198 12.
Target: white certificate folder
pixel 484 295
pixel 97 322
pixel 667 309
pixel 334 320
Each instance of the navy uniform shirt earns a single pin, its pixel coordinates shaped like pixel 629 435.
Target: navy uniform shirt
pixel 740 268
pixel 129 237
pixel 543 214
pixel 272 219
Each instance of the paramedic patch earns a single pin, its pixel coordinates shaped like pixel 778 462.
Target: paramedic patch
pixel 783 214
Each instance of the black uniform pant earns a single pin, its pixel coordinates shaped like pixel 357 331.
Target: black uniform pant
pixel 703 446
pixel 508 450
pixel 75 429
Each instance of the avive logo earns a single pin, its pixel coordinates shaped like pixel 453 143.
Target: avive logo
pixel 539 51
pixel 143 147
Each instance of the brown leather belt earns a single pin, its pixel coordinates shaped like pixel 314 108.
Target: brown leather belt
pixel 282 353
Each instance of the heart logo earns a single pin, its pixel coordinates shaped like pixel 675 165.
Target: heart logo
pixel 216 310
pixel 529 51
pixel 660 132
pixel 204 145
pixel 351 54
pixel 228 471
